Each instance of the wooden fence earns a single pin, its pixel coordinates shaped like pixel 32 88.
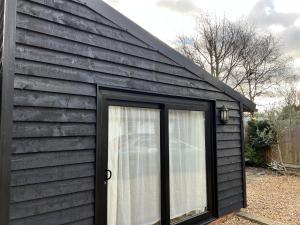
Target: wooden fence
pixel 290 146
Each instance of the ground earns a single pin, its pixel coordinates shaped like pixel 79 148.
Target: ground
pixel 271 195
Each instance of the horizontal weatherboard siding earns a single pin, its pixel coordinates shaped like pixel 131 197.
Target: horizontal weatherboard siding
pixel 53 100
pixel 78 10
pixel 58 217
pixel 52 144
pixel 64 51
pixel 52 204
pixel 54 115
pixel 40 160
pixel 67 19
pixel 124 74
pixel 59 44
pixel 39 129
pixel 73 34
pixel 33 68
pixel 50 174
pixel 43 190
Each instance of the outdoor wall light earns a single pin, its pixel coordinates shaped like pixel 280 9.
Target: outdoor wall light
pixel 224 114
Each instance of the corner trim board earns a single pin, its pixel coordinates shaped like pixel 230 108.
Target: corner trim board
pixel 8 65
pixel 243 156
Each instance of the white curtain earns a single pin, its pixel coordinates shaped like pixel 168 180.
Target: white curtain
pixel 188 194
pixel 134 159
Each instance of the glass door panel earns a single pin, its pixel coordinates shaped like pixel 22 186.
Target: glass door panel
pixel 187 165
pixel 133 192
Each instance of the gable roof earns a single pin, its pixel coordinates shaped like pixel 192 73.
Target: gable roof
pixel 113 15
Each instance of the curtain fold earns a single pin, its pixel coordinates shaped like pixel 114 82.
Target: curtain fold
pixel 134 159
pixel 188 194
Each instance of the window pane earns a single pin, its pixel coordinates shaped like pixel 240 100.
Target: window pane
pixel 134 159
pixel 188 194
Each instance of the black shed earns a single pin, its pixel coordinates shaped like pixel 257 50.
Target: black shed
pixel 102 123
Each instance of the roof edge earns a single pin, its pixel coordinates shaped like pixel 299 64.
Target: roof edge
pixel 110 13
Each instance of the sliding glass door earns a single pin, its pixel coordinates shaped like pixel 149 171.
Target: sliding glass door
pixel 187 164
pixel 155 161
pixel 134 158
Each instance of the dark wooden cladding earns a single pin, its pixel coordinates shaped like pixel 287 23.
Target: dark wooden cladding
pixel 53 115
pixel 232 120
pixel 72 34
pixel 125 74
pixel 42 190
pixel 225 202
pixel 41 206
pixel 27 129
pixel 89 221
pixel 231 208
pixel 54 15
pixel 228 136
pixel 62 45
pixel 58 217
pixel 44 69
pixel 53 100
pixel 50 174
pixel 226 185
pixel 234 114
pixel 76 9
pixel 52 144
pixel 40 160
pixel 64 50
pixel 229 160
pixel 229 193
pixel 229 168
pixel 229 105
pixel 230 176
pixel 50 85
pixel 228 152
pixel 228 128
pixel 228 144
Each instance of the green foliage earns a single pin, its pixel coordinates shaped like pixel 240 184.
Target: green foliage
pixel 260 137
pixel 256 158
pixel 290 113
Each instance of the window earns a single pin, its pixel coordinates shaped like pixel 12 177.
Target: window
pixel 155 160
pixel 188 195
pixel 134 157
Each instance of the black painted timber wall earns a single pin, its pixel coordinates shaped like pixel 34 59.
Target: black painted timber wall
pixel 63 50
pixel 1 46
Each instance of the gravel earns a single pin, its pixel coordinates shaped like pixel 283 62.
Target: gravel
pixel 235 220
pixel 271 195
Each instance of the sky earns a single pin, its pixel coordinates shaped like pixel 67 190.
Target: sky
pixel 166 19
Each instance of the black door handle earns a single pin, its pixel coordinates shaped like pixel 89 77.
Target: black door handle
pixel 108 175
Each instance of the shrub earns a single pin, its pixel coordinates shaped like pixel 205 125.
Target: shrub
pixel 260 137
pixel 254 157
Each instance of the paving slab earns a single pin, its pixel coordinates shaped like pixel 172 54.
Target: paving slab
pixel 258 219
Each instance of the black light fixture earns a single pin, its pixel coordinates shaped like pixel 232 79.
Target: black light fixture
pixel 224 114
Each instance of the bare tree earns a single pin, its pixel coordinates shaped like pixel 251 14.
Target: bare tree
pixel 280 127
pixel 263 65
pixel 237 54
pixel 288 91
pixel 217 47
pixel 290 99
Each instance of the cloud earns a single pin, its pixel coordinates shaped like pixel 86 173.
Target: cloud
pixel 282 24
pixel 181 6
pixel 114 1
pixel 264 14
pixel 291 40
